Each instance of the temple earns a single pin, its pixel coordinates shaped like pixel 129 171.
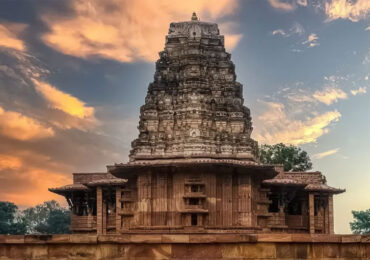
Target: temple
pixel 194 167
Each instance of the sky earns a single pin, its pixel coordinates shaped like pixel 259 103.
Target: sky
pixel 73 75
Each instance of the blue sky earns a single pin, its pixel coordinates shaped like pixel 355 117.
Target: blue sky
pixel 73 75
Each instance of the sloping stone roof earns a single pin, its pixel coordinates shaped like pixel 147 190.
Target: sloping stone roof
pixel 69 188
pixel 311 181
pixel 107 182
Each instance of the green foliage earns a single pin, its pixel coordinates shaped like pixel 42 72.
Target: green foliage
pixel 292 157
pixel 47 218
pixel 11 223
pixel 361 223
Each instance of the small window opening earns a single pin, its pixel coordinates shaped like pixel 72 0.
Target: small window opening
pixel 195 188
pixel 274 206
pixel 295 208
pixel 193 201
pixel 194 219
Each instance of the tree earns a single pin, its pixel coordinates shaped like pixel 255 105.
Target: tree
pixel 47 218
pixel 11 222
pixel 361 223
pixel 292 157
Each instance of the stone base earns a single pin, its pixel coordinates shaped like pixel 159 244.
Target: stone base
pixel 186 246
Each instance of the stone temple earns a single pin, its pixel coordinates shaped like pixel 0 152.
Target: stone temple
pixel 194 166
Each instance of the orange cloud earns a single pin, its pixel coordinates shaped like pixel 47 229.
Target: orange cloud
pixel 359 91
pixel 34 184
pixel 276 127
pixel 127 30
pixel 329 95
pixel 9 162
pixel 9 38
pixel 18 126
pixel 63 101
pixel 26 182
pixel 344 9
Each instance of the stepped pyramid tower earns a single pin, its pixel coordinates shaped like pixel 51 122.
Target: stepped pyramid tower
pixel 194 108
pixel 194 167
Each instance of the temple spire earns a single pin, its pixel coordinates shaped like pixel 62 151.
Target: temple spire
pixel 194 17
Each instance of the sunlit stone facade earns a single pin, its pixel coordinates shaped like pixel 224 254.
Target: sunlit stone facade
pixel 194 167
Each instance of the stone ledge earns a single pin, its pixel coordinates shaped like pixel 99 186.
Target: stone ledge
pixel 181 239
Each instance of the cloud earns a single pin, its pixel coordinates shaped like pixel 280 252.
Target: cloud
pixel 126 31
pixel 345 9
pixel 359 91
pixel 20 127
pixel 367 28
pixel 284 6
pixel 329 95
pixel 27 186
pixel 312 40
pixel 275 126
pixel 63 101
pixel 9 36
pixel 296 29
pixel 9 162
pixel 279 32
pixel 325 154
pixel 302 2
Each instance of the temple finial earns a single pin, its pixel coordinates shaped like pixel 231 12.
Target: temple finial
pixel 194 17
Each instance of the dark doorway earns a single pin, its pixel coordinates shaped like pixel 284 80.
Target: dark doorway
pixel 194 220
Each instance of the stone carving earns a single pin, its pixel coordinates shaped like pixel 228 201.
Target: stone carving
pixel 194 107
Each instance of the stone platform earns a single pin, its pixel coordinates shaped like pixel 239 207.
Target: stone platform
pixel 186 246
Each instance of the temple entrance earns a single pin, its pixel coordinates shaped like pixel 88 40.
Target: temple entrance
pixel 194 220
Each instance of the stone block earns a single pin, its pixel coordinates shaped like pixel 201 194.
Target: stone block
pixel 274 237
pixel 83 239
pixel 114 239
pixel 319 238
pixel 151 238
pixel 351 238
pixel 58 239
pixel 146 251
pixel 292 250
pixel 196 251
pixel 350 251
pixel 367 250
pixel 181 238
pixel 12 239
pixel 365 239
pixel 249 251
pixel 37 239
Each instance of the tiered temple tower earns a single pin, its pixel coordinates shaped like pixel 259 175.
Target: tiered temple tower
pixel 194 166
pixel 194 108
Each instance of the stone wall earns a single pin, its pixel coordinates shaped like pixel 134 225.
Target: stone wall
pixel 193 246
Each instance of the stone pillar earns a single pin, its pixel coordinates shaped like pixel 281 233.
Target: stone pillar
pixel 326 216
pixel 331 214
pixel 227 206
pixel 311 212
pixel 104 215
pixel 99 210
pixel 244 200
pixel 118 209
pixel 144 185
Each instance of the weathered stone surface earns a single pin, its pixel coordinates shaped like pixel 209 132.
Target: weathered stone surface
pixel 193 168
pixel 181 247
pixel 194 107
pixel 249 251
